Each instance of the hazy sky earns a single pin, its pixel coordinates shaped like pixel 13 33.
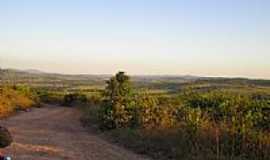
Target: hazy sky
pixel 199 37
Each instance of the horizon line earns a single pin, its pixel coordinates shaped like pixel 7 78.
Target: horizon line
pixel 143 74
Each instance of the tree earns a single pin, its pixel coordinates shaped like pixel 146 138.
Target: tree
pixel 118 87
pixel 118 107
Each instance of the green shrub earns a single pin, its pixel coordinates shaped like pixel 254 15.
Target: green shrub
pixel 149 114
pixel 118 106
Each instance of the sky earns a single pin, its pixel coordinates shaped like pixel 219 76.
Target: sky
pixel 172 37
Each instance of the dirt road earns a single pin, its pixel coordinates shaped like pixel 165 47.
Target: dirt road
pixel 55 133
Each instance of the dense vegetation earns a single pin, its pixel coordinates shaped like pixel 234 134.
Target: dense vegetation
pixel 196 123
pixel 164 117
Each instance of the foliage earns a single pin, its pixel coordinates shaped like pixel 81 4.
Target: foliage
pixel 241 110
pixel 118 105
pixel 121 108
pixel 12 100
pixel 28 92
pixel 209 123
pixel 150 114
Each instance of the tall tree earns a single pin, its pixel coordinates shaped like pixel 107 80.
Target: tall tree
pixel 117 108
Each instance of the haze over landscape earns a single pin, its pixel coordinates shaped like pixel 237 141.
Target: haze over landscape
pixel 207 38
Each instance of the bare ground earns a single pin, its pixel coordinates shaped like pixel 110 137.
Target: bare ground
pixel 55 133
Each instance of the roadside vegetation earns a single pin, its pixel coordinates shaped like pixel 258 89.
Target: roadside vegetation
pixel 196 123
pixel 15 98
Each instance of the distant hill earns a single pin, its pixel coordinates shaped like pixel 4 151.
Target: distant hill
pixel 32 73
pixel 39 78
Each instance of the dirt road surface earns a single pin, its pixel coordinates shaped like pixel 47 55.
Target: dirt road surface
pixel 55 133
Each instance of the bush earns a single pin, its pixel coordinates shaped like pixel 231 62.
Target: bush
pixel 150 115
pixel 74 98
pixel 12 100
pixel 230 107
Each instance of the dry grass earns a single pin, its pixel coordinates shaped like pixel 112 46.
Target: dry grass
pixel 209 142
pixel 11 101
